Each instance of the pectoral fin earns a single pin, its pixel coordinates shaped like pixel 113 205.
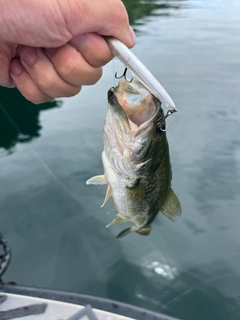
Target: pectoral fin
pixel 132 182
pixel 97 180
pixel 119 218
pixel 171 207
pixel 108 195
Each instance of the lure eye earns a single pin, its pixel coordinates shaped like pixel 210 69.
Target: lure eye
pixel 161 128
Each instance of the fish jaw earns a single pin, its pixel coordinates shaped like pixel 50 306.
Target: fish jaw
pixel 131 119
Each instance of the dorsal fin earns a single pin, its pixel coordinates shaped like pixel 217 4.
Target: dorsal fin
pixel 171 207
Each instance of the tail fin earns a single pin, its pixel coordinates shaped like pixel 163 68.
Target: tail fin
pixel 143 231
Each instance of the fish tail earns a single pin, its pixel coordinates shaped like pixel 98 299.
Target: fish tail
pixel 143 231
pixel 125 232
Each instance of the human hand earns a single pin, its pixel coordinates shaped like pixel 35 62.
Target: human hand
pixel 51 48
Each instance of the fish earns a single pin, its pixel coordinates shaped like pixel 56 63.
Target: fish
pixel 135 157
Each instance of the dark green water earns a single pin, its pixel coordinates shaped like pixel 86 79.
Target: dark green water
pixel 188 269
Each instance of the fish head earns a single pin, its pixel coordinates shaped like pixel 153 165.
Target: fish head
pixel 135 126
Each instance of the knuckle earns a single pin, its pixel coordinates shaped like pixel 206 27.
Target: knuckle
pixel 69 68
pixel 96 76
pixel 31 94
pixel 101 60
pixel 34 95
pixel 73 92
pixel 45 83
pixel 37 99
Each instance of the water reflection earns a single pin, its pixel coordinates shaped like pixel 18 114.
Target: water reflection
pixel 221 184
pixel 163 269
pixel 19 118
pixel 138 9
pixel 213 282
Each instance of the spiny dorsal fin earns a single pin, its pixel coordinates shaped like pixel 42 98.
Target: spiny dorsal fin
pixel 144 231
pixel 119 218
pixel 97 180
pixel 108 195
pixel 171 207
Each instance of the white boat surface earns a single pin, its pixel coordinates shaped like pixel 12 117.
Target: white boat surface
pixel 25 303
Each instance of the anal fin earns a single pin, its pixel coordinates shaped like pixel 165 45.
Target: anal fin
pixel 118 219
pixel 108 195
pixel 171 207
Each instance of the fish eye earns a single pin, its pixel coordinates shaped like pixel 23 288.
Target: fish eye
pixel 161 128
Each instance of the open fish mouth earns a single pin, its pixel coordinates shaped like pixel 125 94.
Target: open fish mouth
pixel 133 107
pixel 130 126
pixel 132 63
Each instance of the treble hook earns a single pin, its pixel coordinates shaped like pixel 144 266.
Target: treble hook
pixel 124 75
pixel 164 118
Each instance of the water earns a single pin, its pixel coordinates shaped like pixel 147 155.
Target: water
pixel 53 221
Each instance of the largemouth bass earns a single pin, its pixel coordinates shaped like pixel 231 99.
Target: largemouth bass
pixel 136 158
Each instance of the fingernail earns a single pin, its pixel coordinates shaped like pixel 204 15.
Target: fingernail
pixel 132 35
pixel 78 41
pixel 29 56
pixel 16 67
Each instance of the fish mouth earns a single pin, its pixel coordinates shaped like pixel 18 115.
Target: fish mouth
pixel 130 127
pixel 133 106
